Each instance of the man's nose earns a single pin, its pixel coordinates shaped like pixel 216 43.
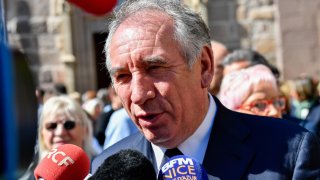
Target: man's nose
pixel 142 88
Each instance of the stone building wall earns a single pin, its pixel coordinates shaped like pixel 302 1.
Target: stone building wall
pixel 286 32
pixel 257 19
pixel 244 24
pixel 40 30
pixel 223 23
pixel 299 37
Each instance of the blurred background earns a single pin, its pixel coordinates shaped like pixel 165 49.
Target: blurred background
pixel 54 41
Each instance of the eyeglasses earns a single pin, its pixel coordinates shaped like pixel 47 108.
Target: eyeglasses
pixel 261 105
pixel 67 125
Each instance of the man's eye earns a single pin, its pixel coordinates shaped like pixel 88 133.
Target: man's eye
pixel 153 68
pixel 122 78
pixel 156 69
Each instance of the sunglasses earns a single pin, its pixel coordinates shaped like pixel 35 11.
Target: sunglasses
pixel 67 125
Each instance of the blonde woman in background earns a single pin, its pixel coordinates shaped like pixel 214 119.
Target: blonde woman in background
pixel 62 121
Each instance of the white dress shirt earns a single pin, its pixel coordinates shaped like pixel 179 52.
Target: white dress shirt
pixel 196 145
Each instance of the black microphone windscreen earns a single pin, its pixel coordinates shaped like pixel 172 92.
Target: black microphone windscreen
pixel 127 164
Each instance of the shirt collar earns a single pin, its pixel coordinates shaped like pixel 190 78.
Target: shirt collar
pixel 195 146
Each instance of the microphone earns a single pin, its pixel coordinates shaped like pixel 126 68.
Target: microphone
pixel 127 164
pixel 95 7
pixel 182 167
pixel 68 161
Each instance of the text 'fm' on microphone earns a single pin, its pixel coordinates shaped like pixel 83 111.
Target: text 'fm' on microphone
pixel 68 161
pixel 127 164
pixel 182 167
pixel 95 7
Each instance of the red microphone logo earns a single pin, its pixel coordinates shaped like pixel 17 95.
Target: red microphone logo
pixel 68 161
pixel 53 155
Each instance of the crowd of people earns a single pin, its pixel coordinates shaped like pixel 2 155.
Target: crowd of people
pixel 168 79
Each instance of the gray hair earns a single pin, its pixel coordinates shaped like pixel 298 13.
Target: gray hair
pixel 190 31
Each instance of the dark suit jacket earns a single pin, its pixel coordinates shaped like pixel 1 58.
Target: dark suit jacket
pixel 243 146
pixel 312 122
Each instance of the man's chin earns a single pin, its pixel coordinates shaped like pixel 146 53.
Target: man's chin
pixel 156 139
pixel 162 142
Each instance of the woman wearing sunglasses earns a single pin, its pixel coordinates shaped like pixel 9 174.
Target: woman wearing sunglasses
pixel 64 122
pixel 253 91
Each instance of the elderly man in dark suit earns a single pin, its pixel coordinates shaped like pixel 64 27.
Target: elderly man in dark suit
pixel 161 64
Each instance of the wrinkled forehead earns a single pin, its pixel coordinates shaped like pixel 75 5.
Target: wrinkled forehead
pixel 150 34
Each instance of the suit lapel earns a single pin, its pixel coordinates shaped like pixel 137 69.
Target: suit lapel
pixel 144 146
pixel 227 155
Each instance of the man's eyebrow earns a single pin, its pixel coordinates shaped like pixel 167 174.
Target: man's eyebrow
pixel 114 70
pixel 154 60
pixel 148 61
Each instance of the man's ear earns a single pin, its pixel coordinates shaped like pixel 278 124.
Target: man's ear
pixel 207 66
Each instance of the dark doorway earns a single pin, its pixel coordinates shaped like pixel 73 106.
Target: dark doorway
pixel 103 79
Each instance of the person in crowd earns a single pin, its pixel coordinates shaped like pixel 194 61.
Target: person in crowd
pixel 43 93
pixel 103 95
pixel 243 58
pixel 318 88
pixel 60 89
pixel 303 96
pixel 305 103
pixel 89 94
pixel 104 118
pixel 159 56
pixel 220 51
pixel 111 96
pixel 93 108
pixel 62 121
pixel 253 90
pixel 75 95
pixel 120 126
pixel 284 89
pixel 39 92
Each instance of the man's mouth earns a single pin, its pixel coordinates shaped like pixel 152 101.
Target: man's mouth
pixel 149 120
pixel 149 117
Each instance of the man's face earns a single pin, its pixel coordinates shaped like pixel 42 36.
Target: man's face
pixel 164 98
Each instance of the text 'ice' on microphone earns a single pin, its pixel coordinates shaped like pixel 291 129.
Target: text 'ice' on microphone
pixel 182 167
